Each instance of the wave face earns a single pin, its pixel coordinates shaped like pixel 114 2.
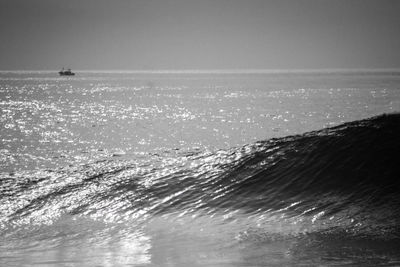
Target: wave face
pixel 335 189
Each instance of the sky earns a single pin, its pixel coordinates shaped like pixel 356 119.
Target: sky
pixel 199 34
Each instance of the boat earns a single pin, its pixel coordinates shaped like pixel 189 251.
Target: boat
pixel 67 72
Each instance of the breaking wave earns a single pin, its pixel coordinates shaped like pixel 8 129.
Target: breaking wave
pixel 332 184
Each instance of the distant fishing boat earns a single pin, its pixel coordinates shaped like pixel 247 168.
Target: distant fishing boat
pixel 67 72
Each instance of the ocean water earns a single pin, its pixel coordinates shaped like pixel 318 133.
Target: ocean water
pixel 210 168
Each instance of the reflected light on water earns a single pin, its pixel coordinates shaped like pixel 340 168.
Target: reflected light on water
pixel 74 242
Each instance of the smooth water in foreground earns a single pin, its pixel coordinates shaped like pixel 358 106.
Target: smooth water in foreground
pixel 200 169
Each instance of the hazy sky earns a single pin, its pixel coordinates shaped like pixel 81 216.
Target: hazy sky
pixel 199 34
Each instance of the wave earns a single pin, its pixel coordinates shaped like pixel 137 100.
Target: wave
pixel 343 179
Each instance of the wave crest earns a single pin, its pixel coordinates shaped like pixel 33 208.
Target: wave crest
pixel 341 178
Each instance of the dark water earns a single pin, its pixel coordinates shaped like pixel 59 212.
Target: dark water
pixel 324 198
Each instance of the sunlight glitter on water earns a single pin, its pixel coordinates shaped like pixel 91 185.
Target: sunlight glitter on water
pixel 148 112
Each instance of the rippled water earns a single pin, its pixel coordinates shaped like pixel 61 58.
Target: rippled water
pixel 179 169
pixel 50 121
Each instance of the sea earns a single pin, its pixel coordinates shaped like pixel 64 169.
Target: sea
pixel 200 168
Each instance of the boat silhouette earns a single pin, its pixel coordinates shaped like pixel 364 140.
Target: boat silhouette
pixel 67 72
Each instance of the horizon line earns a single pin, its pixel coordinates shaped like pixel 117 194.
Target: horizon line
pixel 220 71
